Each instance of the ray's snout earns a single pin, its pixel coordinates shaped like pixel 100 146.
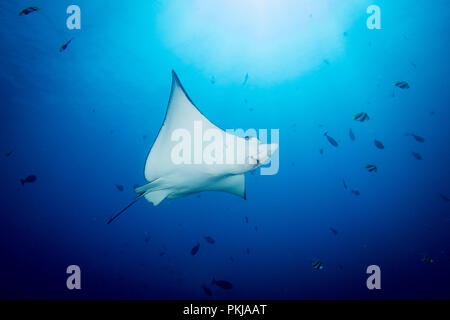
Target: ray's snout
pixel 265 151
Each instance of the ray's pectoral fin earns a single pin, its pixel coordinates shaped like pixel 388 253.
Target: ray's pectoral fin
pixel 234 184
pixel 156 197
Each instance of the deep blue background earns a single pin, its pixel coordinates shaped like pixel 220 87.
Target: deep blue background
pixel 77 119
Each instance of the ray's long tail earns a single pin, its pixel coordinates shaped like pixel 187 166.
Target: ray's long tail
pixel 124 209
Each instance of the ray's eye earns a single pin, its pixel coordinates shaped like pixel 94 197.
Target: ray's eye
pixel 247 137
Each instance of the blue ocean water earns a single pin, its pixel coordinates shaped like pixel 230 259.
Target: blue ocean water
pixel 83 121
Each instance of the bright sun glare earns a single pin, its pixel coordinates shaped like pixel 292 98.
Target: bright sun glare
pixel 270 39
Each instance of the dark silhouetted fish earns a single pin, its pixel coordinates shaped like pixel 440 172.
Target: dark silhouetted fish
pixel 427 260
pixel 445 198
pixel 209 239
pixel 231 259
pixel 223 284
pixel 416 155
pixel 256 228
pixel 28 10
pixel 207 291
pixel 64 46
pixel 247 251
pixel 334 231
pixel 147 238
pixel 416 137
pixel 194 250
pixel 7 154
pixel 321 151
pixel 213 80
pixel 317 265
pixel 30 179
pixel 326 61
pixel 356 192
pixel 345 184
pixel 144 137
pixel 401 84
pixel 361 117
pixel 119 187
pixel 246 219
pixel 245 79
pixel 162 253
pixel 352 135
pixel 378 144
pixel 371 168
pixel 331 140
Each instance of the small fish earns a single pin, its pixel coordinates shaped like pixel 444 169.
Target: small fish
pixel 416 137
pixel 345 184
pixel 416 155
pixel 246 219
pixel 245 79
pixel 147 238
pixel 213 80
pixel 209 239
pixel 371 168
pixel 7 154
pixel 247 251
pixel 378 144
pixel 144 137
pixel 356 192
pixel 331 140
pixel 64 46
pixel 427 260
pixel 401 84
pixel 321 151
pixel 207 291
pixel 223 284
pixel 326 61
pixel 361 117
pixel 194 250
pixel 162 253
pixel 28 10
pixel 256 228
pixel 120 187
pixel 352 135
pixel 334 231
pixel 317 265
pixel 231 259
pixel 30 179
pixel 345 33
pixel 445 198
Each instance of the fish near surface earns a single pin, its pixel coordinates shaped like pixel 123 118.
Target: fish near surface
pixel 401 84
pixel 361 117
pixel 378 144
pixel 331 140
pixel 352 135
pixel 416 137
pixel 64 46
pixel 170 180
pixel 28 10
pixel 371 168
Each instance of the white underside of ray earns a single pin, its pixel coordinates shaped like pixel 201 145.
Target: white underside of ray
pixel 170 180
